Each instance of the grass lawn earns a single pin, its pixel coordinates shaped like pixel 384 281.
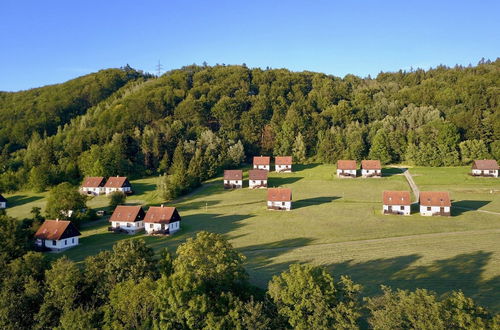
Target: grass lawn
pixel 337 223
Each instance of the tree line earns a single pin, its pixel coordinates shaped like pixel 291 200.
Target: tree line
pixel 203 285
pixel 134 125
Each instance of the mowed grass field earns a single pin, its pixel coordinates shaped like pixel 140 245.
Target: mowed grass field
pixel 336 223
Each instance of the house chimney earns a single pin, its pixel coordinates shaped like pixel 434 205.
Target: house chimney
pixel 161 205
pixel 57 219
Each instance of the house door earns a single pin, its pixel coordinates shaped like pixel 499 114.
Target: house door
pixel 389 208
pixel 441 210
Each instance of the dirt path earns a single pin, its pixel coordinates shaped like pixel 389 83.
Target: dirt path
pixel 375 240
pixel 411 182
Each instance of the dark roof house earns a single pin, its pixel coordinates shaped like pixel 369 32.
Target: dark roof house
pixel 371 165
pixel 93 182
pixel 485 164
pixel 283 160
pixel 434 198
pixel 396 198
pixel 117 182
pixel 162 214
pixel 279 194
pixel 346 165
pixel 257 175
pixel 127 213
pixel 261 160
pixel 56 230
pixel 233 175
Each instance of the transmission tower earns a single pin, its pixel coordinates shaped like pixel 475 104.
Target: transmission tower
pixel 159 67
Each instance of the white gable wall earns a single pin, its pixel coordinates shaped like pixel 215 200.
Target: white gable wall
pixel 173 227
pixel 401 209
pixel 237 183
pixel 128 226
pixel 257 183
pixel 122 189
pixel 284 205
pixel 433 210
pixel 283 168
pixel 486 172
pixel 3 205
pixel 93 190
pixel 351 172
pixel 261 167
pixel 65 243
pixel 370 172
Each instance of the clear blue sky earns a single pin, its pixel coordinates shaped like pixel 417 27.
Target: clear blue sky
pixel 45 42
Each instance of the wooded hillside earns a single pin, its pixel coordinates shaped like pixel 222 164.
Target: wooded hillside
pixel 118 122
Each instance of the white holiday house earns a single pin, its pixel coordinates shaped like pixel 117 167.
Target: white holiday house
pixel 435 203
pixel 396 202
pixel 346 168
pixel 233 179
pixel 93 185
pixel 371 169
pixel 283 164
pixel 127 218
pixel 118 183
pixel 162 220
pixel 279 199
pixel 3 202
pixel 57 235
pixel 262 163
pixel 257 179
pixel 485 167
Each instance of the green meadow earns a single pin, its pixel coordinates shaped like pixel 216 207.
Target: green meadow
pixel 336 223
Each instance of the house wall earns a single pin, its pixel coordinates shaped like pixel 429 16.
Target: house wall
pixel 238 183
pixel 285 205
pixel 122 189
pixel 129 226
pixel 255 183
pixel 59 244
pixel 487 172
pixel 283 168
pixel 3 205
pixel 352 172
pixel 173 227
pixel 397 208
pixel 370 172
pixel 434 209
pixel 261 167
pixel 93 190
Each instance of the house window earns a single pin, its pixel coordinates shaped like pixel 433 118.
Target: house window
pixel 428 208
pixel 65 242
pixel 151 226
pixel 54 242
pixel 282 203
pixel 402 208
pixel 128 224
pixel 72 241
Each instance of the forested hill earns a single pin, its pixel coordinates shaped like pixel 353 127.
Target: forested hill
pixel 199 119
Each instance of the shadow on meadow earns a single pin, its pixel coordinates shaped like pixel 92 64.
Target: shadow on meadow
pixel 459 207
pixel 18 200
pixel 314 201
pixel 140 188
pixel 303 167
pixel 390 171
pixel 278 182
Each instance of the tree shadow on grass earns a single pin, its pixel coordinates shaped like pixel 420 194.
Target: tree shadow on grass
pixel 460 207
pixel 314 201
pixel 278 182
pixel 302 167
pixel 140 188
pixel 390 171
pixel 18 200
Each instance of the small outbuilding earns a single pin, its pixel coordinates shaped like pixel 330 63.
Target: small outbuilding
pixel 261 163
pixel 162 220
pixel 127 218
pixel 279 199
pixel 435 203
pixel 118 183
pixel 485 167
pixel 93 185
pixel 233 179
pixel 57 235
pixel 371 169
pixel 257 179
pixel 283 164
pixel 346 168
pixel 396 202
pixel 3 202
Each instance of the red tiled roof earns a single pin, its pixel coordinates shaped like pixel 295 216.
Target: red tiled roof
pixel 262 160
pixel 371 165
pixel 127 213
pixel 257 175
pixel 233 175
pixel 434 198
pixel 279 194
pixel 485 164
pixel 56 230
pixel 346 165
pixel 93 182
pixel 396 198
pixel 162 214
pixel 117 182
pixel 283 160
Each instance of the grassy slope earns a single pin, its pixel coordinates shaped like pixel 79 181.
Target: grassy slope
pixel 337 223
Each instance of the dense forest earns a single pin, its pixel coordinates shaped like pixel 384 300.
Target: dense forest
pixel 204 285
pixel 192 122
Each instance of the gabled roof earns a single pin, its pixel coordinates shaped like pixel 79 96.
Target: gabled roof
pixel 127 213
pixel 3 199
pixel 371 165
pixel 262 160
pixel 117 182
pixel 93 182
pixel 257 175
pixel 283 160
pixel 162 214
pixel 396 198
pixel 485 164
pixel 434 198
pixel 233 175
pixel 279 194
pixel 56 230
pixel 346 165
